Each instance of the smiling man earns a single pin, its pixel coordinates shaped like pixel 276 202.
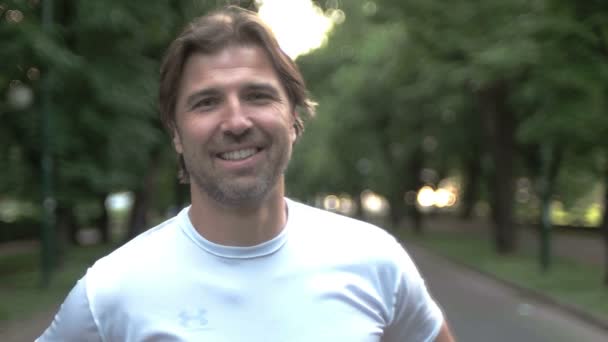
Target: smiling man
pixel 242 262
pixel 234 128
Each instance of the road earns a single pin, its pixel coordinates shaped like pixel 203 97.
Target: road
pixel 481 309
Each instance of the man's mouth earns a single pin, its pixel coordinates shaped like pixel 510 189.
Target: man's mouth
pixel 238 154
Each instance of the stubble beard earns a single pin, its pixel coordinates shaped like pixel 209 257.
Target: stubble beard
pixel 230 192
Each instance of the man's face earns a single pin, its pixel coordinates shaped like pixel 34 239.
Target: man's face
pixel 234 125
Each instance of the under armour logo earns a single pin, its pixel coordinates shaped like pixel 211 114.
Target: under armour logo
pixel 193 319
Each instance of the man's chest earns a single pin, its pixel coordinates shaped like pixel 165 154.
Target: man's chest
pixel 319 307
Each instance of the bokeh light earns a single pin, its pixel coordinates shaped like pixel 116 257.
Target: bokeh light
pixel 14 16
pixel 33 73
pixel 373 203
pixel 299 25
pixel 426 196
pixel 331 202
pixel 19 96
pixel 443 197
pixel 370 8
pixel 336 15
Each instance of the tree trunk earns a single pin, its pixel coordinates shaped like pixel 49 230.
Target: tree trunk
pixel 501 124
pixel 103 221
pixel 604 226
pixel 397 210
pixel 66 235
pixel 403 184
pixel 139 213
pixel 551 161
pixel 415 165
pixel 67 225
pixel 137 218
pixel 470 192
pixel 404 177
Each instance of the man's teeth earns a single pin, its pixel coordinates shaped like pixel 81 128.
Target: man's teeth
pixel 238 155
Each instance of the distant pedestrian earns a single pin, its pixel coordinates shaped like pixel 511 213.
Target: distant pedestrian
pixel 242 262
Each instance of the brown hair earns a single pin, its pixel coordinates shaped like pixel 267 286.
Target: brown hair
pixel 211 33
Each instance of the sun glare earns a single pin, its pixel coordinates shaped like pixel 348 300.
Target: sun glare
pixel 299 25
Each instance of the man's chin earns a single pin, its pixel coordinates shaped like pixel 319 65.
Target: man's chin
pixel 238 190
pixel 243 194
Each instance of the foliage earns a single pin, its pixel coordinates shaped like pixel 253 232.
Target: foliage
pixel 401 86
pixel 410 74
pixel 99 62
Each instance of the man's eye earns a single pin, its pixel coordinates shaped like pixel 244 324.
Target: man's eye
pixel 206 103
pixel 259 97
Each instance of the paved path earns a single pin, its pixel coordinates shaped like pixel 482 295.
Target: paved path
pixel 480 309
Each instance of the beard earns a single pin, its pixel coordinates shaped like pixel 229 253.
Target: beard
pixel 240 189
pixel 234 193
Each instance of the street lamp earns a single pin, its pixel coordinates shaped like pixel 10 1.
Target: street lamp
pixel 47 235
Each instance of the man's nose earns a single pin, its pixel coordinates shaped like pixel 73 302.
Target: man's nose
pixel 237 121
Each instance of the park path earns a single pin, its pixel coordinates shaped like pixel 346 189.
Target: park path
pixel 481 309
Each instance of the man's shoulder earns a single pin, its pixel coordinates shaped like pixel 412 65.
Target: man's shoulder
pixel 141 248
pixel 124 271
pixel 340 242
pixel 315 218
pixel 336 231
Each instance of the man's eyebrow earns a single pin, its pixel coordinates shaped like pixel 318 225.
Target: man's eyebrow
pixel 192 98
pixel 262 86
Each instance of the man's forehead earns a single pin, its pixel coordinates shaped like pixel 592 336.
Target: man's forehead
pixel 242 67
pixel 248 58
pixel 233 49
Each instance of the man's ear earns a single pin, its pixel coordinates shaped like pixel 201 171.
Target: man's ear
pixel 177 142
pixel 293 130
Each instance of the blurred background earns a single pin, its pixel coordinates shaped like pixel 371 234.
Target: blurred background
pixel 475 130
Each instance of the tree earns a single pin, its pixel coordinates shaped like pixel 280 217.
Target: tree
pixel 360 125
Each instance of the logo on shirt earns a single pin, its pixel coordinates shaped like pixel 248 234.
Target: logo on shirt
pixel 193 319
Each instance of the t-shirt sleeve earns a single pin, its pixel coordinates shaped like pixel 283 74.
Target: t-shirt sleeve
pixel 74 320
pixel 416 315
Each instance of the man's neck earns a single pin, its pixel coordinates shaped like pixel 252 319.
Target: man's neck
pixel 238 226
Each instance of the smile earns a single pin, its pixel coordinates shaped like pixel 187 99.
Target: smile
pixel 239 154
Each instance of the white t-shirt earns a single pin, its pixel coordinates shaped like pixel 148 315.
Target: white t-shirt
pixel 325 277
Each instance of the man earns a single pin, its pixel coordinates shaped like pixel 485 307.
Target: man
pixel 243 263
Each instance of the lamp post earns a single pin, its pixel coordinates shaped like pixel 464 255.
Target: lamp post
pixel 546 191
pixel 48 245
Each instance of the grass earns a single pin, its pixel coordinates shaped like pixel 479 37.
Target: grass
pixel 21 294
pixel 567 281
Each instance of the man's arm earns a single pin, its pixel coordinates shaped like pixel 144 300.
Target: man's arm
pixel 445 335
pixel 417 316
pixel 74 321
